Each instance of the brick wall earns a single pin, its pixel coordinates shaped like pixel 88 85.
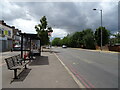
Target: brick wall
pixel 109 48
pixel 114 48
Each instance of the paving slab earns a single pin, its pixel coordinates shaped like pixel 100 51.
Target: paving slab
pixel 44 72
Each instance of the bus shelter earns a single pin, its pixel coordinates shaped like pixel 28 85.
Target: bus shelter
pixel 30 45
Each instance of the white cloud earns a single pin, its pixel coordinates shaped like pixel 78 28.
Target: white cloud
pixel 26 26
pixel 66 17
pixel 64 0
pixel 59 33
pixel 11 11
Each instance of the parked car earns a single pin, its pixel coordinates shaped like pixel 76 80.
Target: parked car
pixel 16 48
pixel 64 46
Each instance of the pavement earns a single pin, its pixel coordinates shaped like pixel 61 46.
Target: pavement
pixel 103 51
pixel 43 72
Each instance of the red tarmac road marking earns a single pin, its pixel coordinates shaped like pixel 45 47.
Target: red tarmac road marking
pixel 81 78
pixel 87 81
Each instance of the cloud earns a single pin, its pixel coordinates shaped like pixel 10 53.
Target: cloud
pixel 27 25
pixel 59 33
pixel 11 11
pixel 65 17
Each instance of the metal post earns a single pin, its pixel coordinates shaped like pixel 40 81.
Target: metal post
pixel 30 52
pixel 101 30
pixel 15 74
pixel 21 45
pixel 50 45
pixel 40 47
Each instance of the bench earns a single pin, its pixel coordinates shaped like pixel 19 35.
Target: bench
pixel 16 63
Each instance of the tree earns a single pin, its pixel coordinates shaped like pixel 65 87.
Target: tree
pixel 115 39
pixel 42 33
pixel 76 39
pixel 105 36
pixel 65 41
pixel 49 29
pixel 56 42
pixel 117 36
pixel 88 39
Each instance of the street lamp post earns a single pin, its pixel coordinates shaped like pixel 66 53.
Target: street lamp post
pixel 101 29
pixel 49 34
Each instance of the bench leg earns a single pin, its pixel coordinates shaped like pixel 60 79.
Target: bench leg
pixel 25 67
pixel 15 74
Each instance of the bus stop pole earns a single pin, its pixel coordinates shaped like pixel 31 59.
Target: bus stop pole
pixel 21 46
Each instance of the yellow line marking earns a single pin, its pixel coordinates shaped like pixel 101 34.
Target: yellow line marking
pixel 74 78
pixel 96 50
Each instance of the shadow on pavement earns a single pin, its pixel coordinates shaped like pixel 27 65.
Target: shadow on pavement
pixel 40 60
pixel 51 51
pixel 55 52
pixel 22 75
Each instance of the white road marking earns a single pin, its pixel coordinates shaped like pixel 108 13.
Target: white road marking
pixel 76 80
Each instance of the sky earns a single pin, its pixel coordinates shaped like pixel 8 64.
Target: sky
pixel 63 17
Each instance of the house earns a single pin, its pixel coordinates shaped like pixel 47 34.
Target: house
pixel 16 36
pixel 8 35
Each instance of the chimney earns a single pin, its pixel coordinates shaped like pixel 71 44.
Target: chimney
pixel 13 27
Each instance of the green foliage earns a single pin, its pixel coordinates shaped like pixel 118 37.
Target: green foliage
pixel 78 39
pixel 85 39
pixel 56 42
pixel 44 38
pixel 43 24
pixel 88 39
pixel 65 41
pixel 105 36
pixel 115 40
pixel 50 29
pixel 42 33
pixel 117 36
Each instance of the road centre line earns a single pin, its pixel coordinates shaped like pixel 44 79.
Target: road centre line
pixel 75 79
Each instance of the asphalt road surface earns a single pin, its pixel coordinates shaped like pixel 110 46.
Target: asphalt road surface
pixel 93 69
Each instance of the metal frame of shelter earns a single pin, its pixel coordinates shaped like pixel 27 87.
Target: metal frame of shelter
pixel 30 37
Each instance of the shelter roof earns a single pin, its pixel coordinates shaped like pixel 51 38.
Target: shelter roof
pixel 29 35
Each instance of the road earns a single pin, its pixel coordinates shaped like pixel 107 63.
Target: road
pixel 92 68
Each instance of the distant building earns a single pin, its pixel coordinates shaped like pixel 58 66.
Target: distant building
pixel 8 36
pixel 16 36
